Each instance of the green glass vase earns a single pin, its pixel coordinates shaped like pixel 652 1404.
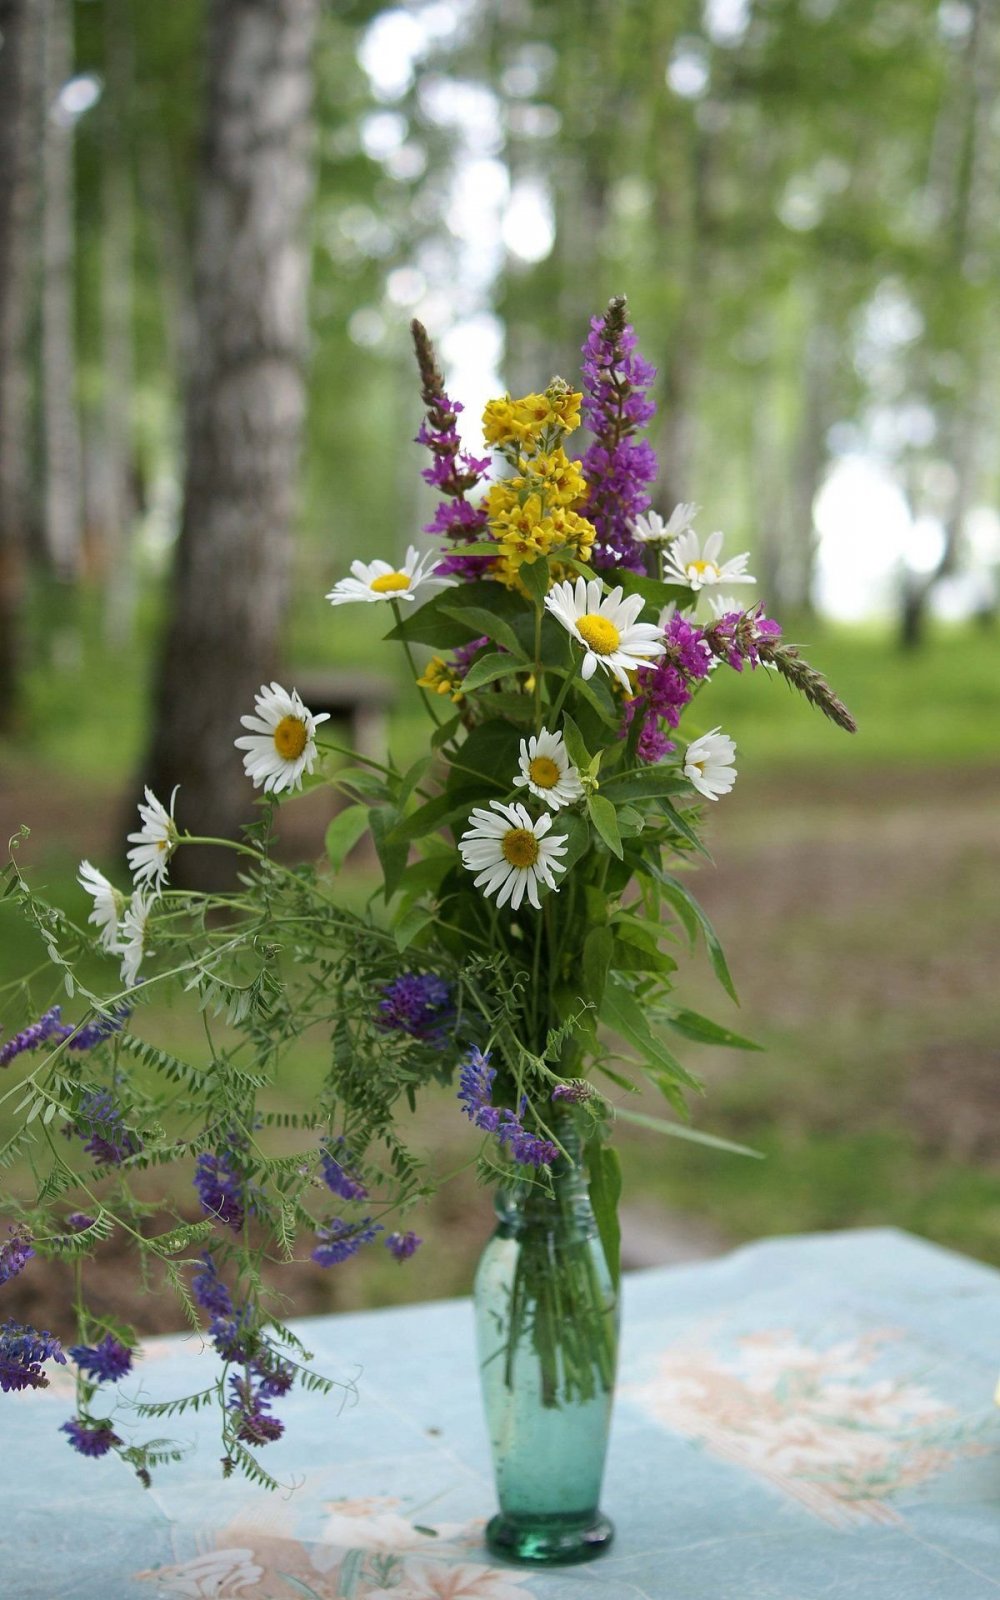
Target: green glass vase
pixel 547 1335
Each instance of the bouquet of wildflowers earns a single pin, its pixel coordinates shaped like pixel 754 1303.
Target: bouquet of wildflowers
pixel 519 945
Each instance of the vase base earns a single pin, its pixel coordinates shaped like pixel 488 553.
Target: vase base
pixel 549 1541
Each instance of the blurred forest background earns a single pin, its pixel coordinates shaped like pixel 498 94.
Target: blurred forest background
pixel 217 218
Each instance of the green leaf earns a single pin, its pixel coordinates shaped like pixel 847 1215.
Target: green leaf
pixel 602 815
pixel 363 781
pixel 687 907
pixel 622 1012
pixel 392 853
pixel 573 740
pixel 653 591
pixel 429 816
pixel 605 1191
pixel 487 670
pixel 693 1026
pixel 535 577
pixel 489 753
pixel 682 827
pixel 480 621
pixel 632 956
pixel 677 1130
pixel 413 777
pixel 446 731
pixel 648 785
pixel 412 922
pixel 344 832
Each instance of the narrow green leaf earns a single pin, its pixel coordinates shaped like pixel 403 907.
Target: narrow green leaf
pixel 344 832
pixel 597 949
pixel 431 815
pixel 693 1026
pixel 622 1012
pixel 573 740
pixel 605 1191
pixel 680 896
pixel 535 577
pixel 392 853
pixel 602 815
pixel 413 922
pixel 677 1130
pixel 648 785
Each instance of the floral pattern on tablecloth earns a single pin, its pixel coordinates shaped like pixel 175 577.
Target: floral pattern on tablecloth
pixel 366 1550
pixel 815 1420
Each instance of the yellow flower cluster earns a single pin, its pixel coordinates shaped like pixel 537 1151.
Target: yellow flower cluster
pixel 518 422
pixel 439 678
pixel 534 512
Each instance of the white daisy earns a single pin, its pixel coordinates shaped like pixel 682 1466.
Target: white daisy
pixel 281 745
pixel 109 903
pixel 377 580
pixel 651 528
pixel 708 762
pixel 510 853
pixel 131 945
pixel 687 562
pixel 607 628
pixel 155 842
pixel 547 771
pixel 723 605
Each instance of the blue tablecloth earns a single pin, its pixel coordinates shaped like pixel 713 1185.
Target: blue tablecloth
pixel 806 1419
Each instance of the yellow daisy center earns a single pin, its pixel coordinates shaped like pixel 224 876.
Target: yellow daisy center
pixel 520 847
pixel 290 738
pixel 700 568
pixel 391 583
pixel 543 771
pixel 599 633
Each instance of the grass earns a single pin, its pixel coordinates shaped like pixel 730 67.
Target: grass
pixel 853 897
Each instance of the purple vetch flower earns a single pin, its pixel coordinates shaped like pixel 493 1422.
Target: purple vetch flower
pixel 221 1188
pixel 101 1125
pixel 79 1221
pixel 15 1253
pixel 339 1240
pixel 475 1089
pixel 617 467
pixel 338 1174
pixel 89 1437
pixel 209 1289
pixel 47 1027
pixel 573 1093
pixel 275 1377
pixel 234 1336
pixel 475 1083
pixel 95 1033
pixel 251 1405
pixel 417 1004
pixel 403 1245
pixel 23 1349
pixel 105 1362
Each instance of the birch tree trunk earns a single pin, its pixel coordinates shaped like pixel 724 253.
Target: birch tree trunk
pixel 20 81
pixel 63 471
pixel 244 409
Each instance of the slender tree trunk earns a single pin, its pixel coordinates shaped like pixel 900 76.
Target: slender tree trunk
pixel 116 498
pixel 20 82
pixel 63 471
pixel 244 410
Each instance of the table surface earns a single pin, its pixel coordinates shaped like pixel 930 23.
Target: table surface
pixel 805 1419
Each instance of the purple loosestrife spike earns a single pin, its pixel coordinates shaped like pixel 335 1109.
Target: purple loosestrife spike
pixel 22 1351
pixel 665 689
pixel 617 467
pixel 105 1362
pixel 15 1254
pixel 90 1438
pixel 403 1245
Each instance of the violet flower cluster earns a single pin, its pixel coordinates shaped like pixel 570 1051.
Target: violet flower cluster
pixel 50 1026
pixel 23 1351
pixel 222 1187
pixel 339 1175
pixel 265 1376
pixel 419 1005
pixel 105 1362
pixel 90 1437
pixel 102 1127
pixel 339 1240
pixel 663 690
pixel 617 466
pixel 15 1253
pixel 475 1090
